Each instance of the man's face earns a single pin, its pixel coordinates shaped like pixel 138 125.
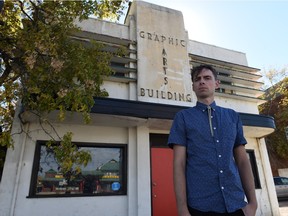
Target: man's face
pixel 204 84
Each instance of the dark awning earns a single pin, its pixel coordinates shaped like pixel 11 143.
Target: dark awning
pixel 147 110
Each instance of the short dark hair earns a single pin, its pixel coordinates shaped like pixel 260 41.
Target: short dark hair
pixel 196 71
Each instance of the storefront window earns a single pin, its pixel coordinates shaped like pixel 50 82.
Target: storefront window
pixel 104 175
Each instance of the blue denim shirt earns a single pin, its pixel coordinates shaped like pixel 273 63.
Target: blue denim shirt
pixel 213 181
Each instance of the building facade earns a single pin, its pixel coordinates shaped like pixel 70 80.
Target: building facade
pixel 131 169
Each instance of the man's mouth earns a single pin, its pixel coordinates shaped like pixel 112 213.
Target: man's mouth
pixel 202 88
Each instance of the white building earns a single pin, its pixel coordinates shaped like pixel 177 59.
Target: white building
pixel 131 173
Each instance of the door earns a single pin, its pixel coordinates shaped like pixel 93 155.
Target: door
pixel 163 197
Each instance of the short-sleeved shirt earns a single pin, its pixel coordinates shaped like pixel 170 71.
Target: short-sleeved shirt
pixel 212 177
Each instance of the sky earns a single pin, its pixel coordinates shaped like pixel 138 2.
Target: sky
pixel 258 28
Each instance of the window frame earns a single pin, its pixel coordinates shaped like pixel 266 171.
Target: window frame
pixel 253 163
pixel 36 164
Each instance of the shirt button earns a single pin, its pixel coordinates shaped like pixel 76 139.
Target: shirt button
pixel 219 156
pixel 217 141
pixel 221 171
pixel 214 128
pixel 222 188
pixel 211 116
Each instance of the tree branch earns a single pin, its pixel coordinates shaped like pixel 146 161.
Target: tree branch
pixel 7 69
pixel 23 11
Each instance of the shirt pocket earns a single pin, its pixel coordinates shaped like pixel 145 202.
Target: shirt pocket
pixel 229 132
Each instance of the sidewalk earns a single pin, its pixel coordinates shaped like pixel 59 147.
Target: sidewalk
pixel 283 211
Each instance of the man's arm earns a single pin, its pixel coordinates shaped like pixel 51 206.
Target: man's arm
pixel 180 179
pixel 247 179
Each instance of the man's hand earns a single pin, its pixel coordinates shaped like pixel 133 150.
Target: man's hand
pixel 250 209
pixel 184 213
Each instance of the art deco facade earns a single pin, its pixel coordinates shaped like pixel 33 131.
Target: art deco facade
pixel 150 84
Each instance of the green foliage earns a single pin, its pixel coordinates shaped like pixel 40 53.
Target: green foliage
pixel 68 157
pixel 41 64
pixel 276 106
pixel 6 139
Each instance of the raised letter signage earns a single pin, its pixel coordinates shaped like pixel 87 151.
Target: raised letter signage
pixel 163 63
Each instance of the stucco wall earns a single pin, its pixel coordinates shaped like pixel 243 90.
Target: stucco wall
pixel 283 172
pixel 215 52
pixel 104 27
pixel 266 197
pixel 237 105
pixel 73 206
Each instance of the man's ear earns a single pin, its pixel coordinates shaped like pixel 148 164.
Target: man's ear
pixel 217 82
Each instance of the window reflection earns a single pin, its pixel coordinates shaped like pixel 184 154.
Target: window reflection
pixel 104 175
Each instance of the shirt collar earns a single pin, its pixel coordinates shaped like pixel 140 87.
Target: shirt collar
pixel 203 106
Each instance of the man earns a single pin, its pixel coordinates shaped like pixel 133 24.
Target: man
pixel 212 173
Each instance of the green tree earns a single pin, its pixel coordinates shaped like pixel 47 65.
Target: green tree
pixel 276 106
pixel 45 68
